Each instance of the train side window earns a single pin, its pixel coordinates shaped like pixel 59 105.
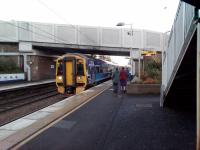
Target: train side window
pixel 60 69
pixel 89 70
pixel 97 69
pixel 100 70
pixel 92 69
pixel 80 70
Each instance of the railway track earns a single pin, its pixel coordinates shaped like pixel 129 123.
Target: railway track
pixel 17 103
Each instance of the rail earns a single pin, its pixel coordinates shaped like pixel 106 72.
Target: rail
pixel 18 102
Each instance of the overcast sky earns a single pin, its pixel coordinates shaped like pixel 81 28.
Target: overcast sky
pixel 156 15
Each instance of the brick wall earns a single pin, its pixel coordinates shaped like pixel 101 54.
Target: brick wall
pixel 8 47
pixel 42 68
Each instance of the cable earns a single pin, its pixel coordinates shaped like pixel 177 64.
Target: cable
pixel 28 30
pixel 55 13
pixel 7 38
pixel 42 35
pixel 57 38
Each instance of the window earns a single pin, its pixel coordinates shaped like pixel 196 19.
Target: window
pixel 97 69
pixel 100 70
pixel 60 69
pixel 80 70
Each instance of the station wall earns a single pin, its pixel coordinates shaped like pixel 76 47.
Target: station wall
pixel 8 47
pixel 42 68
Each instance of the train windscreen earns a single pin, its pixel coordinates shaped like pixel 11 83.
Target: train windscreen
pixel 80 70
pixel 60 69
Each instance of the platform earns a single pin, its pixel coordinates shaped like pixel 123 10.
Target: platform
pixel 118 122
pixel 20 84
pixel 111 122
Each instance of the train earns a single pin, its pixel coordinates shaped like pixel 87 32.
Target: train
pixel 76 72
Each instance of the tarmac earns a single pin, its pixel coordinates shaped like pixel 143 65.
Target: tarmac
pixel 120 122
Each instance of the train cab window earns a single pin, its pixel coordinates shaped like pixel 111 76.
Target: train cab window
pixel 80 69
pixel 60 69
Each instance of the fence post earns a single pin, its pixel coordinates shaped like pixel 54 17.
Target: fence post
pixel 198 87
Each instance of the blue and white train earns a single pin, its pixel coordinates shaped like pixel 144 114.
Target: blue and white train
pixel 75 72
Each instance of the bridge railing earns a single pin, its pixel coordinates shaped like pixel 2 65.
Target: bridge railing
pixel 15 31
pixel 183 20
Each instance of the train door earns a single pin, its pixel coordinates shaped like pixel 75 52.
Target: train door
pixel 69 77
pixel 69 73
pixel 91 72
pixel 81 75
pixel 60 76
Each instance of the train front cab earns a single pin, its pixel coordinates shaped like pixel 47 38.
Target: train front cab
pixel 71 75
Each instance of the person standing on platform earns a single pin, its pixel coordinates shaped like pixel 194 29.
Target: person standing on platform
pixel 123 80
pixel 115 78
pixel 128 74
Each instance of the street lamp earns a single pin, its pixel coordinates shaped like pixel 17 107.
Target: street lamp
pixel 121 24
pixel 131 25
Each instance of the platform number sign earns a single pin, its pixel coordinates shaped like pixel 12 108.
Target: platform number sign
pixel 52 66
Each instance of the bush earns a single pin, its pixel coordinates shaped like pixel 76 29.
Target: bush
pixel 7 65
pixel 149 81
pixel 152 71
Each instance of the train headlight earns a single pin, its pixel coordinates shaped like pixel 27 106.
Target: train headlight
pixel 60 77
pixel 79 78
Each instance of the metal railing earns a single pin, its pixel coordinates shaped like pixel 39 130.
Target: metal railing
pixel 183 21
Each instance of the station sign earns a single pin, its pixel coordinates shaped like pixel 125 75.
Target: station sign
pixel 12 77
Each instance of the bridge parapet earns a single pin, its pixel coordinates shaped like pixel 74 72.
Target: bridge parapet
pixel 16 31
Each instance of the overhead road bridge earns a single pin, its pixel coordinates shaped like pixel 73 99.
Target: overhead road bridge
pixel 86 39
pixel 39 44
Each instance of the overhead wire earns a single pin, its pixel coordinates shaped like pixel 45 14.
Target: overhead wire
pixel 63 19
pixel 7 38
pixel 42 35
pixel 53 37
pixel 57 38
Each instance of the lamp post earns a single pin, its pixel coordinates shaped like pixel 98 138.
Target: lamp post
pixel 139 64
pixel 131 33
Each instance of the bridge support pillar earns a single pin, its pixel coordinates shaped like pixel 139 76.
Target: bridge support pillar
pixel 132 67
pixel 26 49
pixel 27 69
pixel 198 87
pixel 133 55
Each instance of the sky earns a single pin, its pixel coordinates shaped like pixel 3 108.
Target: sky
pixel 156 15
